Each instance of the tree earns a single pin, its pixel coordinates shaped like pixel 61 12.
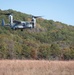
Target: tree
pixel 55 50
pixel 44 51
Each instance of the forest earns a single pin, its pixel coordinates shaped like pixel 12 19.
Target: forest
pixel 50 40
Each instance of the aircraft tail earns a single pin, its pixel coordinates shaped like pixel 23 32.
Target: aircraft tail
pixel 3 22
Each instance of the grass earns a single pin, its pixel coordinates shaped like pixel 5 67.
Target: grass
pixel 36 67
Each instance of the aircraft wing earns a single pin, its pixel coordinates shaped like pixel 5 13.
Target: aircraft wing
pixel 19 22
pixel 16 21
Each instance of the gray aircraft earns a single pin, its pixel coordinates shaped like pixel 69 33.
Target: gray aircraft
pixel 15 24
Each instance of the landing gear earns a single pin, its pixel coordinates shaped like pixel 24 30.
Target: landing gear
pixel 21 29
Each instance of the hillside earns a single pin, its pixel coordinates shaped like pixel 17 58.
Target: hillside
pixel 49 40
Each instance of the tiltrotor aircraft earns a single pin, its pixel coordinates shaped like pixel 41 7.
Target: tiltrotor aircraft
pixel 14 24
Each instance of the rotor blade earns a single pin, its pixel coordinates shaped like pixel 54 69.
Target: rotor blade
pixel 32 16
pixel 36 16
pixel 5 13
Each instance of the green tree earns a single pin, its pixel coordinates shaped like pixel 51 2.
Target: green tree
pixel 55 50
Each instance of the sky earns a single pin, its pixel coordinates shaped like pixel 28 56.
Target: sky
pixel 57 10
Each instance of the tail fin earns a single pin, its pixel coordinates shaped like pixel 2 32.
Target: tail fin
pixel 3 22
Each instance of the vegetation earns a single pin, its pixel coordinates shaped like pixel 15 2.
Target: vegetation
pixel 36 67
pixel 49 40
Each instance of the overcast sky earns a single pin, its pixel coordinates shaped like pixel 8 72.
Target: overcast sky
pixel 57 10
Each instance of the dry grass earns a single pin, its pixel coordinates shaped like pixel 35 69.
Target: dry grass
pixel 35 67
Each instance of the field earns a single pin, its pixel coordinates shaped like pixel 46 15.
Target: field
pixel 36 67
